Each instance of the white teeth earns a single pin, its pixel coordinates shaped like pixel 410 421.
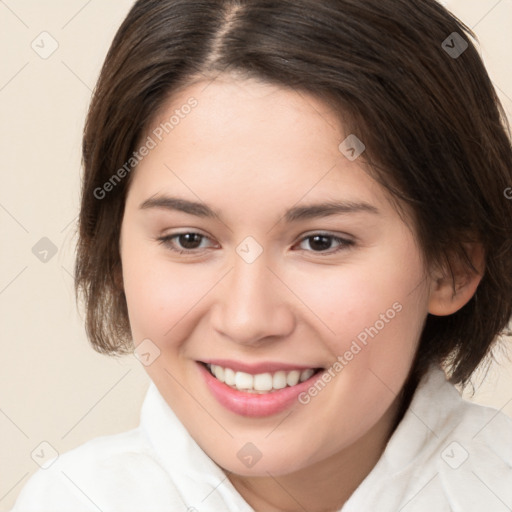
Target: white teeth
pixel 293 378
pixel 244 380
pixel 261 382
pixel 218 371
pixel 229 376
pixel 279 380
pixel 306 374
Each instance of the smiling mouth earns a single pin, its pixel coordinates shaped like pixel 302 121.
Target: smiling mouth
pixel 260 383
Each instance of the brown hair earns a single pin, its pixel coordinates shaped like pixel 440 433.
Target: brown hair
pixel 435 132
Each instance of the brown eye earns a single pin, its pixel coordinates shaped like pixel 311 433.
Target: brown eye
pixel 320 243
pixel 184 242
pixel 189 240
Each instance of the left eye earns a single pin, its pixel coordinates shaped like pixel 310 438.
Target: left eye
pixel 190 242
pixel 320 243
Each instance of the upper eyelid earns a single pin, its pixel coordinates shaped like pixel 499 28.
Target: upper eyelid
pixel 340 237
pixel 302 236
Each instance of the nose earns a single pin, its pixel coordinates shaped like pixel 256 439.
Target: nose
pixel 252 305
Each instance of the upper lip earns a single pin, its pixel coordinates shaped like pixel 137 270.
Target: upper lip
pixel 255 368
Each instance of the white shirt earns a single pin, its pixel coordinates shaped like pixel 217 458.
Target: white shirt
pixel 446 455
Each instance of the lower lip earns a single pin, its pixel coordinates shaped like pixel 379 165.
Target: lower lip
pixel 252 404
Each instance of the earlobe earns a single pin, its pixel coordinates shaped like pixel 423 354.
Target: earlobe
pixel 450 293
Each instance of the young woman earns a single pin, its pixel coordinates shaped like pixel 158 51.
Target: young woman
pixel 295 214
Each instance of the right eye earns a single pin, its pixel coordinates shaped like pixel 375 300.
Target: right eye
pixel 183 243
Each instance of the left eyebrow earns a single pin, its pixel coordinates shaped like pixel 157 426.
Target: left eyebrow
pixel 326 209
pixel 297 213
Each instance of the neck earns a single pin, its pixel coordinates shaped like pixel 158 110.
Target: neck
pixel 324 486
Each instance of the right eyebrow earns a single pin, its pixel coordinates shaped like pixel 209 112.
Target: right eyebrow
pixel 181 205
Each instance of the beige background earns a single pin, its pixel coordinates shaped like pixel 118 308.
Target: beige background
pixel 53 386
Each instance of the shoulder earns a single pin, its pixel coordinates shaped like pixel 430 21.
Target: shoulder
pixel 474 433
pixel 104 471
pixel 446 454
pixel 447 417
pixel 474 458
pixel 467 454
pixel 484 427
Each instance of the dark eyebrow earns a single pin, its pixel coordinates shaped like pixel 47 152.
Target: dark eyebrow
pixel 314 211
pixel 294 214
pixel 181 205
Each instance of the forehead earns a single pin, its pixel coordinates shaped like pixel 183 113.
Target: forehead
pixel 248 115
pixel 247 139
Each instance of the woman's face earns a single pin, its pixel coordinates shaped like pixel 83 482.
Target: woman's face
pixel 293 262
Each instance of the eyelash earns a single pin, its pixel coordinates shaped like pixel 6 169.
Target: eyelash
pixel 344 243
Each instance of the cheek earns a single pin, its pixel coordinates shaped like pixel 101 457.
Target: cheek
pixel 373 309
pixel 159 295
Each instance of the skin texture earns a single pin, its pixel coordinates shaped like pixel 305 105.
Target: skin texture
pixel 251 151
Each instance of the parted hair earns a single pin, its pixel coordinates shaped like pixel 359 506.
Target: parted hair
pixel 406 77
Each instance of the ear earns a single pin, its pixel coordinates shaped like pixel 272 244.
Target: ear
pixel 444 300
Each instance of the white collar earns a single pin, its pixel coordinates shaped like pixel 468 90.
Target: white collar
pixel 436 416
pixel 200 482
